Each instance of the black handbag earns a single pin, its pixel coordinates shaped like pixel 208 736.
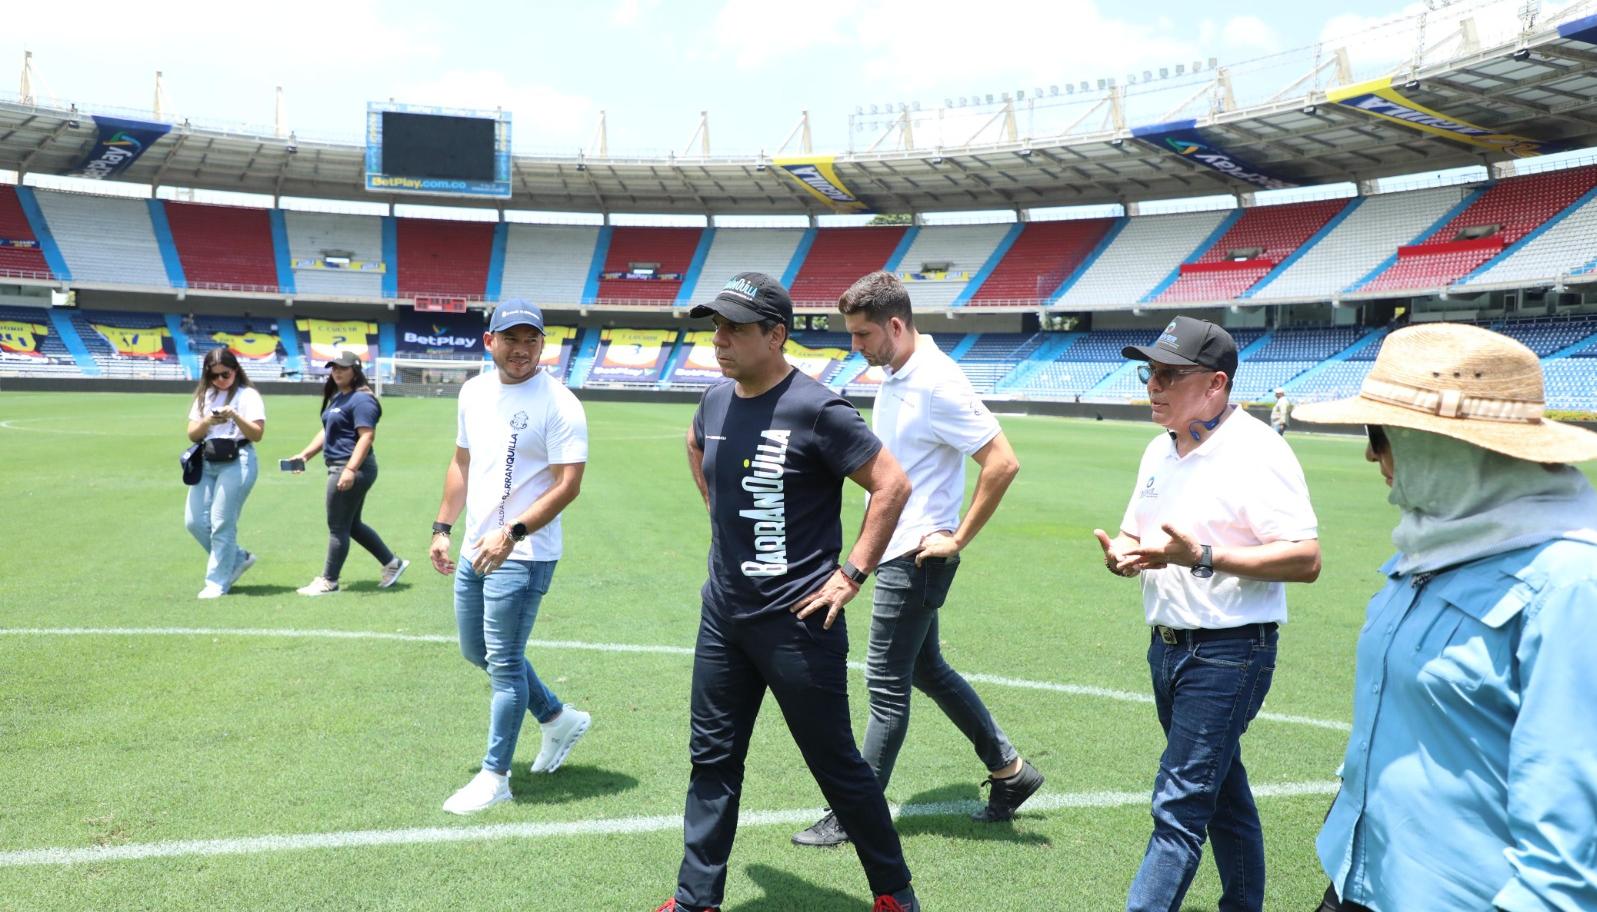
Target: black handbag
pixel 221 449
pixel 193 463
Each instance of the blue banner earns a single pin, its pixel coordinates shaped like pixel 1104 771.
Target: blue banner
pixel 120 144
pixel 1583 30
pixel 1181 139
pixel 439 333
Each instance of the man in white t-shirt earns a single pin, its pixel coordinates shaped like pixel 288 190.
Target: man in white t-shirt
pixel 1281 412
pixel 1218 523
pixel 520 447
pixel 931 420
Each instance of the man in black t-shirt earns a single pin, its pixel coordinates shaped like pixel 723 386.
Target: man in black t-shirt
pixel 769 452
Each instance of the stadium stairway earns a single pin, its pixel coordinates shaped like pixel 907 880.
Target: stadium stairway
pixel 17 227
pixel 67 332
pixel 582 361
pixel 1305 380
pixel 1051 348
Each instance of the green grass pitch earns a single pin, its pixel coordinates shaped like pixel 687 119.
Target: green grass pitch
pixel 268 771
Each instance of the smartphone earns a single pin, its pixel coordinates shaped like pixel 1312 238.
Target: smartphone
pixel 291 465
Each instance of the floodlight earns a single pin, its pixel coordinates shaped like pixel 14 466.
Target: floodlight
pixel 581 166
pixel 1023 153
pixel 1164 72
pixel 1117 142
pixel 1101 85
pixel 1412 84
pixel 935 160
pixel 759 166
pixel 1054 90
pixel 1522 54
pixel 1309 109
pixel 1070 89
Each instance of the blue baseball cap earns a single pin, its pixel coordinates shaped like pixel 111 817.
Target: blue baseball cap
pixel 516 312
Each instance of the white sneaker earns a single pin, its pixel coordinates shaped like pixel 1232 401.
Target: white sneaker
pixel 211 591
pixel 485 790
pixel 391 572
pixel 243 565
pixel 318 586
pixel 559 737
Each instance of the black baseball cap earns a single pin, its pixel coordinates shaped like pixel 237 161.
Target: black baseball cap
pixel 749 297
pixel 1191 343
pixel 345 359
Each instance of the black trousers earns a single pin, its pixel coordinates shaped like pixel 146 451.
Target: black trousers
pixel 805 666
pixel 1331 904
pixel 343 519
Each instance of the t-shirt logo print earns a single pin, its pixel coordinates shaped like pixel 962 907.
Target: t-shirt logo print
pixel 769 512
pixel 519 421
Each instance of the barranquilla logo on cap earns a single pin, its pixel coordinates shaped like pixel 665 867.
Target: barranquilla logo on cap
pixel 742 286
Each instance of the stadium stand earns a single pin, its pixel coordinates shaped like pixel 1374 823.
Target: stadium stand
pixel 1546 337
pixel 1256 242
pixel 445 259
pixel 20 254
pixel 547 264
pixel 105 239
pixel 1556 251
pixel 1141 256
pixel 253 341
pixel 994 355
pixel 667 251
pixel 144 348
pixel 224 247
pixel 1042 257
pixel 31 346
pixel 735 250
pixel 838 257
pixel 318 242
pixel 943 259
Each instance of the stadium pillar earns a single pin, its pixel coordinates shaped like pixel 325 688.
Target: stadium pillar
pixel 815 220
pixel 1022 215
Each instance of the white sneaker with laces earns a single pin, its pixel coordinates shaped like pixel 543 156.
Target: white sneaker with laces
pixel 211 591
pixel 485 790
pixel 318 586
pixel 391 572
pixel 243 565
pixel 559 737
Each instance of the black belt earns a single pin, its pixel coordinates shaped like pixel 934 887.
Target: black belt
pixel 1173 636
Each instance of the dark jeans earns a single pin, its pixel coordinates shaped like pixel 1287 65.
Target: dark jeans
pixel 904 651
pixel 1206 693
pixel 804 666
pixel 343 519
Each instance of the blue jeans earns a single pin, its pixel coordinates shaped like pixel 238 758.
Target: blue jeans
pixel 1206 693
pixel 494 614
pixel 212 510
pixel 904 651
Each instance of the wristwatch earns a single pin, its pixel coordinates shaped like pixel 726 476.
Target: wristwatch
pixel 854 573
pixel 518 531
pixel 1204 568
pixel 442 528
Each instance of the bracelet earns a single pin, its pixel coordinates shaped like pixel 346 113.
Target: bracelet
pixel 442 528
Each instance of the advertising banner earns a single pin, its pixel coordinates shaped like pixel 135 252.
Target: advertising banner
pixel 439 334
pixel 818 177
pixel 21 340
pixel 698 365
pixel 327 338
pixel 1181 138
pixel 150 343
pixel 250 346
pixel 1380 98
pixel 557 341
pixel 1583 29
pixel 631 354
pixel 813 361
pixel 119 145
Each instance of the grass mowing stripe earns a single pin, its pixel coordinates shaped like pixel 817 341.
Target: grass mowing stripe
pixel 614 826
pixel 1079 690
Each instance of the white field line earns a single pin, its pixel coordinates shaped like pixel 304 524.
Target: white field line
pixel 1075 690
pixel 251 845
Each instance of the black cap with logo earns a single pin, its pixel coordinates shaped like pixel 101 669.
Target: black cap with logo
pixel 1190 342
pixel 750 297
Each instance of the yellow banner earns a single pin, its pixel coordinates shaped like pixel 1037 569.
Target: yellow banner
pixel 701 356
pixel 554 341
pixel 329 337
pixel 818 176
pixel 1379 98
pixel 813 361
pixel 143 342
pixel 258 346
pixel 17 338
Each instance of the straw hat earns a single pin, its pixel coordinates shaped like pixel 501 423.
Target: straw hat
pixel 1463 382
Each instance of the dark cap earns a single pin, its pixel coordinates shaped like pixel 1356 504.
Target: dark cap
pixel 749 297
pixel 516 312
pixel 1191 343
pixel 345 359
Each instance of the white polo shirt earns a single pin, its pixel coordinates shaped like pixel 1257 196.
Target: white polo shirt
pixel 1242 486
pixel 514 434
pixel 930 419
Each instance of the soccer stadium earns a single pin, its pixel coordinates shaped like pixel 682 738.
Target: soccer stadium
pixel 269 751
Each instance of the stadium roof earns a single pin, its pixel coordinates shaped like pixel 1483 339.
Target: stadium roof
pixel 1544 87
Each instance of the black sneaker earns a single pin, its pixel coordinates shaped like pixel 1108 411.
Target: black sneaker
pixel 826 832
pixel 902 901
pixel 1009 794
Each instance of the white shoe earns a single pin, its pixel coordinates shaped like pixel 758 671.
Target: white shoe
pixel 559 737
pixel 211 591
pixel 485 790
pixel 318 586
pixel 391 572
pixel 243 565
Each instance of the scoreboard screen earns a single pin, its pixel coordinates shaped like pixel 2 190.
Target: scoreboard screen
pixel 437 151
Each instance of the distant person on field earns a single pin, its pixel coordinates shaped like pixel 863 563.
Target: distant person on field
pixel 931 420
pixel 227 414
pixel 1219 521
pixel 1281 412
pixel 769 452
pixel 521 443
pixel 1470 780
pixel 350 412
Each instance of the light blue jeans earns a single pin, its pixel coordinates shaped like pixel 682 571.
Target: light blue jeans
pixel 213 508
pixel 494 614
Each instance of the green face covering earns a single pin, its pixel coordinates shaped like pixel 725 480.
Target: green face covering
pixel 1461 502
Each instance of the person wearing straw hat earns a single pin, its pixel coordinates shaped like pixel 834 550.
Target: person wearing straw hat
pixel 1281 412
pixel 1470 780
pixel 1218 523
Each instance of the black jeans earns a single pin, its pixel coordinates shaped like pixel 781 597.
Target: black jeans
pixel 343 519
pixel 734 662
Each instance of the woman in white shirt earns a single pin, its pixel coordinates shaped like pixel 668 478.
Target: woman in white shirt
pixel 227 414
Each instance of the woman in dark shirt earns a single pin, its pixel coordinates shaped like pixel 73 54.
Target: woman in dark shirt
pixel 349 423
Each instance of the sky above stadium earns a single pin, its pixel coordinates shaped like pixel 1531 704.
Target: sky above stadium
pixel 653 66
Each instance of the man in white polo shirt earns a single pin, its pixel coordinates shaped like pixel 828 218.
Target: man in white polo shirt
pixel 1218 522
pixel 928 417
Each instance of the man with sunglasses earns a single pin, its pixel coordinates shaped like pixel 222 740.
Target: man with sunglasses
pixel 1218 522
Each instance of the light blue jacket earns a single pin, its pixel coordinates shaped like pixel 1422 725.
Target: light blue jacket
pixel 1470 781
